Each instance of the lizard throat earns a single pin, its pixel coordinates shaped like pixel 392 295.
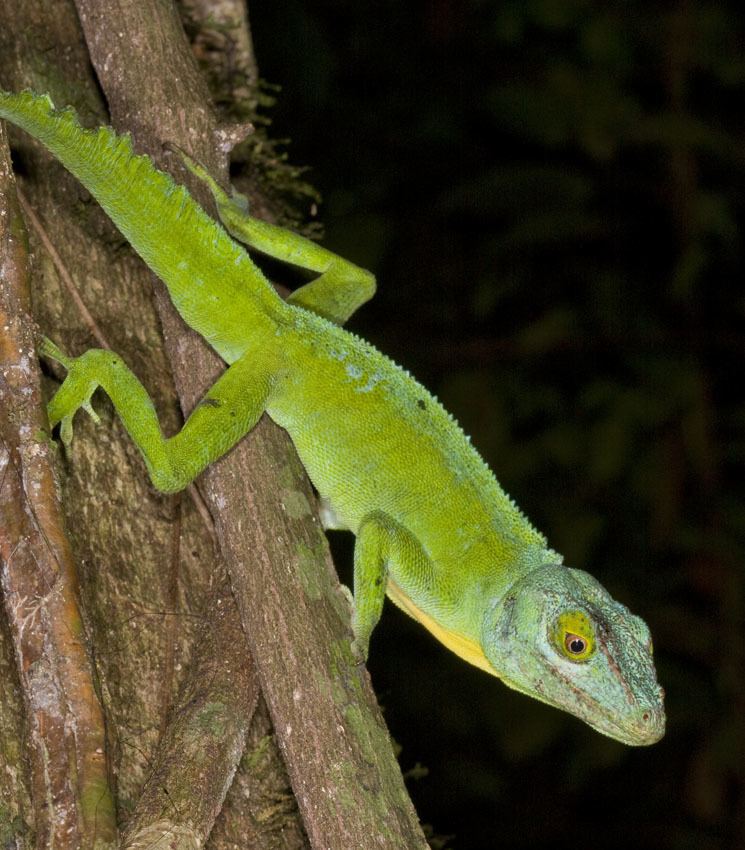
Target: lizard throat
pixel 466 648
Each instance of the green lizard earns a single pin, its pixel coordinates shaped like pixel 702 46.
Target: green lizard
pixel 434 530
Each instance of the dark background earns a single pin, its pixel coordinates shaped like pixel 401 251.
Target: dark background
pixel 551 195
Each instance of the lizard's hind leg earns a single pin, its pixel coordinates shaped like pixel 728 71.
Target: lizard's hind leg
pixel 230 409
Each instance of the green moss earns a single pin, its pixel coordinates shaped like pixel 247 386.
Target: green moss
pixel 97 807
pixel 254 759
pixel 210 718
pixel 308 558
pixel 13 830
pixel 273 178
pixel 296 504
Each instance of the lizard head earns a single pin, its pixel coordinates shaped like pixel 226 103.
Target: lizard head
pixel 557 635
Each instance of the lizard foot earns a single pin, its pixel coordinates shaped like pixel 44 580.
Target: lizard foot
pixel 76 390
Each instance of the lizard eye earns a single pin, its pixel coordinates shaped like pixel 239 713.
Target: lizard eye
pixel 573 635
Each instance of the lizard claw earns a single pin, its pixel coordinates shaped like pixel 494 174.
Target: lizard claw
pixel 65 432
pixel 88 408
pixel 360 648
pixel 348 595
pixel 74 394
pixel 49 349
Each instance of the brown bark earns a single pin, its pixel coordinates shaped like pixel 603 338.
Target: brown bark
pixel 172 667
pixel 143 598
pixel 72 801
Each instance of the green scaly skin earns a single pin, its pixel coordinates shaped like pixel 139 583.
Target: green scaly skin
pixel 434 528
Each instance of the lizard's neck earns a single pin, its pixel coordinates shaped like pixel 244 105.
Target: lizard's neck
pixel 464 646
pixel 466 641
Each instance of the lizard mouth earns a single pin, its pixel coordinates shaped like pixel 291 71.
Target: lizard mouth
pixel 641 728
pixel 639 725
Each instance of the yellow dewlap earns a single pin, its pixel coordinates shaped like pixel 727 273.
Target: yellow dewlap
pixel 466 648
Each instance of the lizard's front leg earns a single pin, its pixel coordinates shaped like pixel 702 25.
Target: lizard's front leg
pixel 381 544
pixel 341 287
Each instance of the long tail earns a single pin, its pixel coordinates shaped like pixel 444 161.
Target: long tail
pixel 208 275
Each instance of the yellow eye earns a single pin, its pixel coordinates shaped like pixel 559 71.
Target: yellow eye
pixel 573 635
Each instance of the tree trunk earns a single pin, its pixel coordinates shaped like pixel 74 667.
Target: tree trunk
pixel 142 636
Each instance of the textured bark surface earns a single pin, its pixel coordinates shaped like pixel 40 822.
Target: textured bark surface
pixel 63 758
pixel 167 646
